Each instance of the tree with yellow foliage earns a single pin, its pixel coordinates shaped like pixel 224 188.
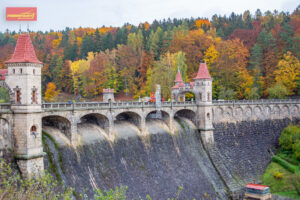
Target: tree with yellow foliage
pixel 287 72
pixel 51 92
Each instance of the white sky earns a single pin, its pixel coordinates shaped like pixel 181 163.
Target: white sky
pixel 57 14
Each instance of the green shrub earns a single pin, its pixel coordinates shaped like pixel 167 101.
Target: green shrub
pixel 289 136
pixel 296 149
pixel 278 175
pixel 284 164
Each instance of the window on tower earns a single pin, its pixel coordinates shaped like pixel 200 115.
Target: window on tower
pixel 33 71
pixel 14 71
pixel 208 96
pixel 34 96
pixel 18 96
pixel 21 71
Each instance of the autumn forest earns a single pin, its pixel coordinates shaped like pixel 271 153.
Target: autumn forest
pixel 249 55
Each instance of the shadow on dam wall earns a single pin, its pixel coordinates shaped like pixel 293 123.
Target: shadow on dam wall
pixel 158 163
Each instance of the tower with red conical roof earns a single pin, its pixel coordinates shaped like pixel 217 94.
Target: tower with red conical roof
pixel 24 79
pixel 203 91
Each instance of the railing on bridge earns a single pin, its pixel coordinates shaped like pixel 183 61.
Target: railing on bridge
pixel 260 101
pixel 4 107
pixel 114 105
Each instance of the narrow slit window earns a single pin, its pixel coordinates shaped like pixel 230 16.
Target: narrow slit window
pixel 18 96
pixel 208 96
pixel 33 96
pixel 21 70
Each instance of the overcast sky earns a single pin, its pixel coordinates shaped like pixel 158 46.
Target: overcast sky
pixel 57 14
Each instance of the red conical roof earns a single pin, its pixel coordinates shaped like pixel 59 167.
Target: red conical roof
pixel 178 77
pixel 203 72
pixel 24 51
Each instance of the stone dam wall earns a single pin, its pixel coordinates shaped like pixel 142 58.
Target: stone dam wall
pixel 244 149
pixel 157 164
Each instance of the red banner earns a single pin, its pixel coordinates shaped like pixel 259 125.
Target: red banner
pixel 21 13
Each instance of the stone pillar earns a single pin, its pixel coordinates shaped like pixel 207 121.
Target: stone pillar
pixel 204 112
pixel 111 126
pixel 143 125
pixel 74 133
pixel 171 122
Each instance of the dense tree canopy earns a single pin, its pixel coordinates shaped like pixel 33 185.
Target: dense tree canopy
pixel 249 55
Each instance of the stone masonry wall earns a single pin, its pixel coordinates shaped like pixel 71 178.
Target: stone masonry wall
pixel 244 149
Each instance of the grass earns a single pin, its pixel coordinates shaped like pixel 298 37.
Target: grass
pixel 284 186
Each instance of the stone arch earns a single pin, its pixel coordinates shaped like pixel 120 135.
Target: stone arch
pixel 258 112
pixel 132 117
pixel 238 113
pixel 276 111
pixel 248 112
pixel 295 111
pixel 183 94
pixel 59 122
pixel 11 93
pixel 152 115
pixel 268 111
pixel 186 113
pixel 285 111
pixel 95 118
pixel 6 139
pixel 228 113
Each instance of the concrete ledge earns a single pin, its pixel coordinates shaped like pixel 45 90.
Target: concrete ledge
pixel 28 157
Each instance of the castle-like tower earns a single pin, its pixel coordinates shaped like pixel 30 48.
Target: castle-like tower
pixel 24 80
pixel 202 88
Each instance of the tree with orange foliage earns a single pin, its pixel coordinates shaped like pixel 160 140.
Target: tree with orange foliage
pixel 51 92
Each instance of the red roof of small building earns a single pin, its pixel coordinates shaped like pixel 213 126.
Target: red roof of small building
pixel 24 51
pixel 2 73
pixel 178 77
pixel 203 72
pixel 256 186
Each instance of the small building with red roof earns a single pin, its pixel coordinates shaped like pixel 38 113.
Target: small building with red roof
pixel 256 191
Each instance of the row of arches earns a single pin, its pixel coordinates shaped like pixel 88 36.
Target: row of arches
pixel 103 121
pixel 222 113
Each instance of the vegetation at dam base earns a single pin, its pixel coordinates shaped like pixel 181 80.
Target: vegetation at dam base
pixel 283 173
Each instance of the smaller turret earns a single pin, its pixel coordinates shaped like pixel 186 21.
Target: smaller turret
pixel 108 95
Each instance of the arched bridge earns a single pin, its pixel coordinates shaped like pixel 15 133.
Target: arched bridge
pixel 66 116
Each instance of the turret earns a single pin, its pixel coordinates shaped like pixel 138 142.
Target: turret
pixel 24 79
pixel 203 90
pixel 203 85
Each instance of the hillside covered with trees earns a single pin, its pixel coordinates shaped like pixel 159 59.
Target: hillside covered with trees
pixel 250 55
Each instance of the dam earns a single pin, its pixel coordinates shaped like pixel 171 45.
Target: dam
pixel 209 148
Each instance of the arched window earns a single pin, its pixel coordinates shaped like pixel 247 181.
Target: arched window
pixel 33 129
pixel 18 96
pixel 21 70
pixel 208 116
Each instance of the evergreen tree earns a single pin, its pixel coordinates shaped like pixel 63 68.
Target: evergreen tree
pixel 87 45
pixel 286 35
pixel 256 57
pixel 107 42
pixel 70 52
